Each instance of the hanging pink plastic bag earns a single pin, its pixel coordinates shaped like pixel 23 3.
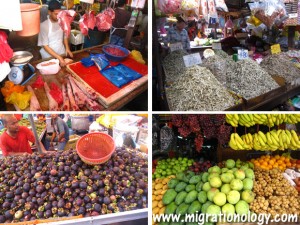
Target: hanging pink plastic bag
pixel 6 52
pixel 169 6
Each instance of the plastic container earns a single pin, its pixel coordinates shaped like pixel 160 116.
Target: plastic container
pixel 45 69
pixel 95 148
pixel 114 57
pixel 76 37
pixel 80 123
pixel 30 14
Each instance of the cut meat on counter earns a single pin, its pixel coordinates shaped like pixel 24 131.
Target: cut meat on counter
pixel 110 12
pixel 65 18
pixel 34 103
pixel 53 105
pixel 78 95
pixel 73 105
pixel 56 93
pixel 66 103
pixel 90 93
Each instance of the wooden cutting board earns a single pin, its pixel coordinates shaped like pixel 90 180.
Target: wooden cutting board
pixel 107 92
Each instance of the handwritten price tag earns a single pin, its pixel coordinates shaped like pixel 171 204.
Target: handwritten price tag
pixel 216 45
pixel 192 59
pixel 243 54
pixel 176 46
pixel 275 49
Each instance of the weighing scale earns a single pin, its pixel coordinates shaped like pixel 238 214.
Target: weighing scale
pixel 21 71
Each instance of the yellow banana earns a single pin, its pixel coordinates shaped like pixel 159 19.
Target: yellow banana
pixel 263 136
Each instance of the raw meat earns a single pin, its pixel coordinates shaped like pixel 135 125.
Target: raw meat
pixel 38 82
pixel 66 104
pixel 65 18
pixel 85 89
pixel 90 104
pixel 86 22
pixel 34 103
pixel 73 105
pixel 110 12
pixel 56 93
pixel 103 22
pixel 53 106
pixel 78 95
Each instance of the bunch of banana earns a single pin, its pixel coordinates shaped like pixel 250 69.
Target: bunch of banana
pixel 248 139
pixel 260 142
pixel 232 119
pixel 237 143
pixel 259 118
pixel 292 118
pixel 246 120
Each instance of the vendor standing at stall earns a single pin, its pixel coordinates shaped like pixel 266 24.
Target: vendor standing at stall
pixel 60 133
pixel 178 34
pixel 122 17
pixel 51 37
pixel 15 140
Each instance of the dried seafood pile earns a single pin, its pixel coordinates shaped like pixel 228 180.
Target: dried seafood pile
pixel 218 66
pixel 281 66
pixel 174 65
pixel 221 53
pixel 249 80
pixel 198 90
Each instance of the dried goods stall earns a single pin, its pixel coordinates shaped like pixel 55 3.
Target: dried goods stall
pixel 238 164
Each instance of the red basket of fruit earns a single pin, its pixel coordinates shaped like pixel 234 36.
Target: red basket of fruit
pixel 95 148
pixel 115 53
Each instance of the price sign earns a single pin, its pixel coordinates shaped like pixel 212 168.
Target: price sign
pixel 216 45
pixel 176 46
pixel 275 49
pixel 243 54
pixel 192 59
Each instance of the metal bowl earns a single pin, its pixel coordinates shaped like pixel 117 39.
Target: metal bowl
pixel 21 58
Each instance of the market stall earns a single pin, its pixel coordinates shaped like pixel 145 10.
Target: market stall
pixel 99 77
pixel 97 179
pixel 239 58
pixel 235 164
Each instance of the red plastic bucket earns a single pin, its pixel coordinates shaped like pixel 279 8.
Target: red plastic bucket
pixel 30 14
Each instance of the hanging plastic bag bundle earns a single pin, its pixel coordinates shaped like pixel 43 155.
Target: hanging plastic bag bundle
pixel 169 6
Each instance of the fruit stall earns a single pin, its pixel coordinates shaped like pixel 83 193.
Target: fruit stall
pixel 241 71
pixel 96 180
pixel 238 164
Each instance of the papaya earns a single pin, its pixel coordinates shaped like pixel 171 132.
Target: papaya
pixel 169 196
pixel 172 183
pixel 191 196
pixel 180 186
pixel 180 197
pixel 195 179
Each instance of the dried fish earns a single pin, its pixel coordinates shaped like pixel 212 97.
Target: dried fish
pixel 174 65
pixel 248 79
pixel 280 65
pixel 198 90
pixel 217 65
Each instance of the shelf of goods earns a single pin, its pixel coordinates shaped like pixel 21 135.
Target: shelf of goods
pixel 60 188
pixel 220 84
pixel 266 181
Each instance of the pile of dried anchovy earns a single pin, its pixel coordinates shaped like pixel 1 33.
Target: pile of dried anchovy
pixel 281 66
pixel 217 65
pixel 221 53
pixel 249 80
pixel 198 90
pixel 174 65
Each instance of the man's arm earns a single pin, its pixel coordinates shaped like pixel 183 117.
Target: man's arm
pixel 60 126
pixel 55 55
pixel 66 43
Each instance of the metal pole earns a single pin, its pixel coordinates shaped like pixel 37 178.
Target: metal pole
pixel 37 142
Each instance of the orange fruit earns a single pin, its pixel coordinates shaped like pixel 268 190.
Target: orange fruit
pixel 287 160
pixel 277 157
pixel 271 162
pixel 289 165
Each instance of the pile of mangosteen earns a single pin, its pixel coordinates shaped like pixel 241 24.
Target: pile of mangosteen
pixel 41 186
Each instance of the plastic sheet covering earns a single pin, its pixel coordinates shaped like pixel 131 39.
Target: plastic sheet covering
pixel 127 72
pixel 166 138
pixel 115 77
pixel 101 61
pixel 6 52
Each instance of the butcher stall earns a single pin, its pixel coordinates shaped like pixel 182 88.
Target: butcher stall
pixel 102 77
